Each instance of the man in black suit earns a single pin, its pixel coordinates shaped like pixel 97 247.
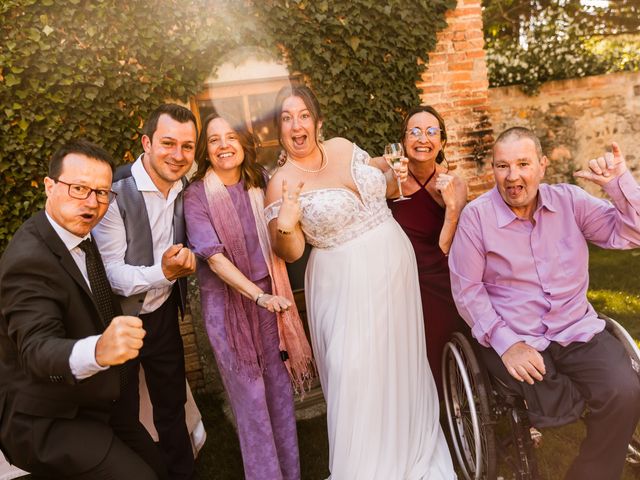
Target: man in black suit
pixel 63 351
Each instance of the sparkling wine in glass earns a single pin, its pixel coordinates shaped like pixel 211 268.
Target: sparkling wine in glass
pixel 393 153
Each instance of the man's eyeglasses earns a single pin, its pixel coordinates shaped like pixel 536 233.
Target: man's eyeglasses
pixel 417 132
pixel 82 192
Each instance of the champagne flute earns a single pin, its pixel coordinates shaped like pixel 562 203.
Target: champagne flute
pixel 393 153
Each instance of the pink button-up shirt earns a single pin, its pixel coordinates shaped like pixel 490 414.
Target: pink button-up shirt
pixel 514 280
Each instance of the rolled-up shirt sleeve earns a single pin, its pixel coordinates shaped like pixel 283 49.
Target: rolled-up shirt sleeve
pixel 466 265
pixel 202 237
pixel 126 280
pixel 614 224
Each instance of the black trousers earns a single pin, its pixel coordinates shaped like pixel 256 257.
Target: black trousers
pixel 132 454
pixel 162 357
pixel 596 374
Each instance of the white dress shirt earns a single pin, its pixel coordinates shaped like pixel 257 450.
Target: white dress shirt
pixel 110 234
pixel 82 360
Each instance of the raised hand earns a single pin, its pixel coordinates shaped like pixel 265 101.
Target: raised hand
pixel 121 341
pixel 604 169
pixel 524 363
pixel 454 198
pixel 290 211
pixel 178 261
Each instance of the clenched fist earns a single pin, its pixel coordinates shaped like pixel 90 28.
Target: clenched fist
pixel 121 341
pixel 178 261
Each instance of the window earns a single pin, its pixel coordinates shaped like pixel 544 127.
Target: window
pixel 249 101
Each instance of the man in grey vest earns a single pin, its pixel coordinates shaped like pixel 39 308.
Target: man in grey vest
pixel 141 240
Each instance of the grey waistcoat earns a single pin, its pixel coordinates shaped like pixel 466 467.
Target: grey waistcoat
pixel 138 233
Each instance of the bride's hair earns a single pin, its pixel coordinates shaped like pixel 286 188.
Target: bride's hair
pixel 310 101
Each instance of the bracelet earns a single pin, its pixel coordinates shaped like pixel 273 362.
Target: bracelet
pixel 284 232
pixel 259 296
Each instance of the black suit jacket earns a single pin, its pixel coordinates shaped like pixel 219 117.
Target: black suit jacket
pixel 49 422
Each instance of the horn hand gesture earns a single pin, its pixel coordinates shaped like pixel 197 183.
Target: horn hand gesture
pixel 604 169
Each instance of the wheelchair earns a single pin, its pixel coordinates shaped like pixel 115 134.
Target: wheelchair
pixel 475 401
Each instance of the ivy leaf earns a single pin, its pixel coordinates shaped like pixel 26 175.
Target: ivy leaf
pixel 47 30
pixel 354 42
pixel 33 34
pixel 91 93
pixel 11 80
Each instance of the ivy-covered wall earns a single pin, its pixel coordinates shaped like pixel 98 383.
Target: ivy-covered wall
pixel 75 68
pixel 96 69
pixel 362 58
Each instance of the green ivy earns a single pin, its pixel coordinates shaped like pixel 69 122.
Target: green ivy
pixel 96 69
pixel 362 58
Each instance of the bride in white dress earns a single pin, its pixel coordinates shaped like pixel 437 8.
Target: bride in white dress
pixel 363 301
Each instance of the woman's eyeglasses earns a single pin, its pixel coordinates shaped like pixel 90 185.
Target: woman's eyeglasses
pixel 417 132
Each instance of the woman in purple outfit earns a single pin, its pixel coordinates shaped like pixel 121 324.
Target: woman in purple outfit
pixel 243 287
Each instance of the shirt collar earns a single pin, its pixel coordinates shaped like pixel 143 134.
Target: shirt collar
pixel 545 198
pixel 504 215
pixel 144 182
pixel 70 240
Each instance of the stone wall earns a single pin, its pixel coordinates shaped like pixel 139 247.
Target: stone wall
pixel 456 84
pixel 575 120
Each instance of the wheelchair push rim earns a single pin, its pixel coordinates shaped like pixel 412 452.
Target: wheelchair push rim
pixel 631 347
pixel 466 387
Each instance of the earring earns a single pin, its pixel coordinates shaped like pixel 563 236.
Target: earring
pixel 320 136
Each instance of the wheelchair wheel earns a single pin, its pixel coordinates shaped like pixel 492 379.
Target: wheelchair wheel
pixel 629 344
pixel 525 465
pixel 467 399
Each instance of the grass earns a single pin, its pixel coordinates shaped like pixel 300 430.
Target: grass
pixel 614 290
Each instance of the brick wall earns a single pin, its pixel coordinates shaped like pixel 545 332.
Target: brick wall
pixel 576 120
pixel 192 365
pixel 456 84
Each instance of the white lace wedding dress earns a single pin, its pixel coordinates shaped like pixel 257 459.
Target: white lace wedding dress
pixel 365 316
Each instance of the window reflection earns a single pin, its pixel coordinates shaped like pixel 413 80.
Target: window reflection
pixel 251 102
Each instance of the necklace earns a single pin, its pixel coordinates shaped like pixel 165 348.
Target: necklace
pixel 324 161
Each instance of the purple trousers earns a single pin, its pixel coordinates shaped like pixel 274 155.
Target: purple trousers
pixel 263 407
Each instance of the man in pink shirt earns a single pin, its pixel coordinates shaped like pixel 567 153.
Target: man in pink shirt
pixel 519 277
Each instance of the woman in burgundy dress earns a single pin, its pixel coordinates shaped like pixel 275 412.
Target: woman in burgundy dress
pixel 429 219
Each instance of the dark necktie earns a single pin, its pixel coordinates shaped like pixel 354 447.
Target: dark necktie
pixel 102 295
pixel 98 280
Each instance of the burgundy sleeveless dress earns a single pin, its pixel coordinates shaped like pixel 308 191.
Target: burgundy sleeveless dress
pixel 422 218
